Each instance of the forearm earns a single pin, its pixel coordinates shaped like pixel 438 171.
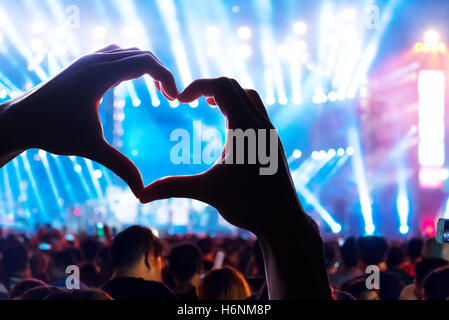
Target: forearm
pixel 294 259
pixel 10 137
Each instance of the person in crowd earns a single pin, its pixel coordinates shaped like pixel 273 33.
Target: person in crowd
pixel 89 249
pixel 349 268
pixel 38 293
pixel 23 286
pixel 16 267
pixel 83 295
pixel 59 261
pixel 372 250
pixel 136 259
pixel 396 263
pixel 185 263
pixel 256 275
pixel 224 284
pixel 415 291
pixel 414 252
pixel 436 284
pixel 104 263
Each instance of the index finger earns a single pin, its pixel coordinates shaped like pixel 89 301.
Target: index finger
pixel 134 67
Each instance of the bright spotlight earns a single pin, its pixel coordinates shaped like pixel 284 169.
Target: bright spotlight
pixel 61 50
pixel 283 101
pixel 331 153
pixel 38 27
pixel 42 154
pixel 213 33
pixel 212 52
pixel 78 168
pixel 99 32
pixel 403 229
pixel 245 51
pixel 1 38
pixel 300 28
pixel 284 51
pixel 174 104
pixel 297 154
pixel 332 96
pixel 369 229
pixel 37 45
pixel 194 104
pixel 3 94
pixel 350 151
pixel 244 33
pixel 432 37
pixel 156 103
pixel 341 152
pixel 349 14
pixel 315 155
pixel 98 174
pixel 136 102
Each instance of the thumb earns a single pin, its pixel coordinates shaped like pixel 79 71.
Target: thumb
pixel 176 187
pixel 120 164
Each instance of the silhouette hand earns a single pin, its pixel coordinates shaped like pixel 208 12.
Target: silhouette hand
pixel 61 115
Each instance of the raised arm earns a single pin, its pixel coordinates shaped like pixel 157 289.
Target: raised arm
pixel 259 197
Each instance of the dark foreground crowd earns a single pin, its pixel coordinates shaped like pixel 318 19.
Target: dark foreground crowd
pixel 136 265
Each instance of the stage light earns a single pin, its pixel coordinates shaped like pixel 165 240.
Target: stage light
pixel 194 104
pixel 38 27
pixel 300 28
pixel 283 100
pixel 99 32
pixel 403 229
pixel 61 32
pixel 119 104
pixel 300 46
pixel 432 37
pixel 1 38
pixel 341 152
pixel 271 100
pixel 244 33
pixel 77 212
pixel 297 154
pixel 3 94
pixel 419 46
pixel 350 151
pixel 42 154
pixel 245 51
pixel 427 47
pixel 78 168
pixel 61 50
pixel 331 153
pixel 236 9
pixel 156 103
pixel 174 104
pixel 98 174
pixel 136 102
pixel 332 96
pixel 37 45
pixel 315 155
pixel 284 51
pixel 213 33
pixel 441 47
pixel 349 14
pixel 212 51
pixel 135 153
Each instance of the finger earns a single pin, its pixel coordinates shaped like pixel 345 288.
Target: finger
pixel 159 88
pixel 211 101
pixel 109 48
pixel 118 163
pixel 175 187
pixel 221 89
pixel 257 101
pixel 134 67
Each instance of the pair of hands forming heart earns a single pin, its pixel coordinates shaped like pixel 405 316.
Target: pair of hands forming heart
pixel 61 117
